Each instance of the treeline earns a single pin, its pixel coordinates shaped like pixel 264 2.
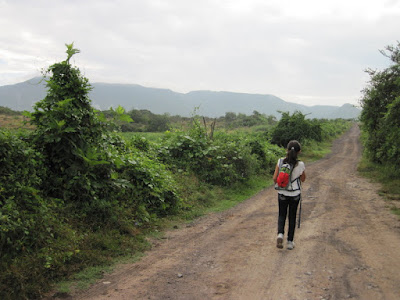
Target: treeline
pixel 74 193
pixel 381 113
pixel 9 112
pixel 146 121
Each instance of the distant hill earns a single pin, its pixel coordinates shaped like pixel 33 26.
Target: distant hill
pixel 22 96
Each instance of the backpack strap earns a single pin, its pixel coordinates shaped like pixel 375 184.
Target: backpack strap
pixel 280 163
pixel 297 179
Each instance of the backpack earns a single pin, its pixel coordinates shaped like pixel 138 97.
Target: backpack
pixel 284 180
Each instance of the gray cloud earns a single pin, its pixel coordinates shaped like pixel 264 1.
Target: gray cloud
pixel 311 51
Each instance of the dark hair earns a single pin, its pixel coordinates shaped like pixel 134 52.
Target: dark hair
pixel 293 148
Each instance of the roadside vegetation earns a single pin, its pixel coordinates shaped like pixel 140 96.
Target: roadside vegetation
pixel 77 195
pixel 381 128
pixel 11 119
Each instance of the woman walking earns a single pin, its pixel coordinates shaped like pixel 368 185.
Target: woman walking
pixel 289 197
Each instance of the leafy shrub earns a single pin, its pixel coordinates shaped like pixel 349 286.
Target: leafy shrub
pixel 227 161
pixel 22 208
pixel 29 223
pixel 332 128
pixel 150 186
pixel 139 142
pixel 295 127
pixel 221 160
pixel 267 153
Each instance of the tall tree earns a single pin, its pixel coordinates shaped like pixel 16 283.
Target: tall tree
pixel 381 110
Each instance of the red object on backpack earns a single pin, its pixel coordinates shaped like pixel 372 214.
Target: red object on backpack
pixel 283 179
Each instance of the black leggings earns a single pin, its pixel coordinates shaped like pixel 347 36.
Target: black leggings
pixel 287 203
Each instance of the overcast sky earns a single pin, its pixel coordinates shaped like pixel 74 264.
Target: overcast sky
pixel 309 51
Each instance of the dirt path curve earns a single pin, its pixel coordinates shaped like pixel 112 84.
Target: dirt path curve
pixel 348 246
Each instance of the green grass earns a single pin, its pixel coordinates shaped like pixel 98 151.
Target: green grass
pixel 85 278
pixel 82 280
pixel 388 178
pixel 396 211
pixel 151 136
pixel 220 199
pixel 313 150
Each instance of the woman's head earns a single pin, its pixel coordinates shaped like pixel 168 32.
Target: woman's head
pixel 292 149
pixel 294 145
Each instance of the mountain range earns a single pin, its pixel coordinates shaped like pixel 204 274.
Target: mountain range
pixel 22 96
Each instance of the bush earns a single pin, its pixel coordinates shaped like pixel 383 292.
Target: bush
pixel 332 128
pixel 30 226
pixel 295 127
pixel 267 153
pixel 23 209
pixel 227 161
pixel 151 188
pixel 221 160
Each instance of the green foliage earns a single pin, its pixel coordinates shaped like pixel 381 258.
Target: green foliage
pixel 150 189
pixel 146 121
pixel 29 223
pixel 221 160
pixel 71 51
pixel 267 153
pixel 86 162
pixel 118 118
pixel 332 128
pixel 295 127
pixel 68 130
pixel 389 179
pixel 232 120
pixel 381 111
pixel 22 209
pixel 67 181
pixel 139 142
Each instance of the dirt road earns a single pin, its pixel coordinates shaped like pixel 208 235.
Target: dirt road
pixel 348 246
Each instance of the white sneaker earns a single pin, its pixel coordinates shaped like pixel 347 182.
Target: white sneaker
pixel 279 241
pixel 290 245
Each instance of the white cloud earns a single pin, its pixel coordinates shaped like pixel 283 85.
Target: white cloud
pixel 303 50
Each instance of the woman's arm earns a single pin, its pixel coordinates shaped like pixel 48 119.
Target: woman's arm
pixel 275 177
pixel 303 176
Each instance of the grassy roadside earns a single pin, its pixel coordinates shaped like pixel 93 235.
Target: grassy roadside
pixel 313 151
pixel 389 180
pixel 14 122
pixel 201 200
